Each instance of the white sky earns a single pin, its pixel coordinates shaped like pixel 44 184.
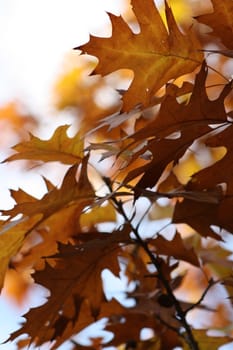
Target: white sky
pixel 35 35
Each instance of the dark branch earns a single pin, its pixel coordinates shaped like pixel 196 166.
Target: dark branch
pixel 181 314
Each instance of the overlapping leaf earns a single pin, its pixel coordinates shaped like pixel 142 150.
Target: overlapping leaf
pixel 68 194
pixel 73 222
pixel 60 210
pixel 191 120
pixel 200 216
pixel 75 277
pixel 125 333
pixel 175 248
pixel 210 178
pixel 156 55
pixel 127 325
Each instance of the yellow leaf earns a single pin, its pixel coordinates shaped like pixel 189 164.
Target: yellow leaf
pixel 59 148
pixel 158 212
pixel 206 342
pixel 186 168
pixel 97 215
pixel 156 55
pixel 181 10
pixel 11 239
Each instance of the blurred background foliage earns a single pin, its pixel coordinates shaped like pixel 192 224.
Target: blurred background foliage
pixel 84 101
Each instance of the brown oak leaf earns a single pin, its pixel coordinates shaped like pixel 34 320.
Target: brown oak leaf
pixel 221 21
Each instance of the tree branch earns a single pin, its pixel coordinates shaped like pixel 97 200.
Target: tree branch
pixel 181 314
pixel 211 282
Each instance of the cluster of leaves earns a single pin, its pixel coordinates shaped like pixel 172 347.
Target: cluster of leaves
pixel 169 144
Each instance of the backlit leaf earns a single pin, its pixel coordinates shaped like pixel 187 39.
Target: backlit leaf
pixel 61 209
pixel 155 55
pixel 192 120
pixel 70 192
pixel 98 215
pixel 59 147
pixel 11 239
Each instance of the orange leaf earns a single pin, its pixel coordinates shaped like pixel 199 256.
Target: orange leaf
pixel 156 55
pixel 71 192
pixel 16 285
pixel 61 209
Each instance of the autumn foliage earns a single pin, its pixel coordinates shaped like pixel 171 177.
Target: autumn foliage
pixel 147 193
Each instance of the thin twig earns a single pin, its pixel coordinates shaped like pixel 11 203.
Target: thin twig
pixel 211 283
pixel 143 216
pixel 165 323
pixel 181 315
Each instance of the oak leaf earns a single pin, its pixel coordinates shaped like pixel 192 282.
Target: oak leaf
pixel 176 248
pixel 74 278
pixel 213 257
pixel 211 178
pixel 59 227
pixel 215 174
pixel 11 239
pixel 190 121
pixel 137 269
pixel 63 328
pixel 70 192
pixel 200 216
pixel 221 21
pixel 156 55
pixel 61 209
pixel 127 327
pixel 59 147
